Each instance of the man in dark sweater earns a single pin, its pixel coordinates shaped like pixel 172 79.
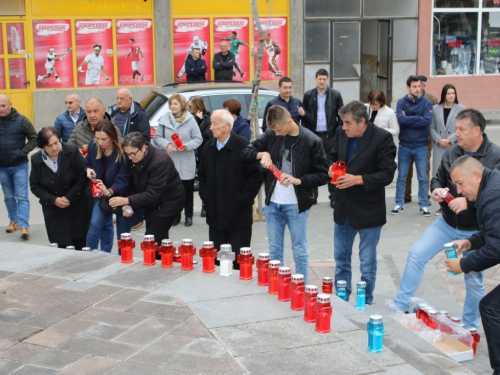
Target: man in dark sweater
pixel 223 63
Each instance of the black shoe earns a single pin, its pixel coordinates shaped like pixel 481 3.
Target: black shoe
pixel 188 222
pixel 407 200
pixel 203 212
pixel 429 203
pixel 332 204
pixel 176 221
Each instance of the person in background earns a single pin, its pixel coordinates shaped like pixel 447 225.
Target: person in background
pixel 66 122
pixel 128 115
pixel 58 180
pixel 195 67
pixel 179 121
pixel 380 114
pixel 223 63
pixel 241 126
pixel 83 132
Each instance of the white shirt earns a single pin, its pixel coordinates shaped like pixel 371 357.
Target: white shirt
pixel 94 61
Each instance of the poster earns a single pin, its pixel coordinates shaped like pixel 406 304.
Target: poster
pixel 134 42
pixel 236 32
pixel 53 53
pixel 15 38
pixel 94 52
pixel 275 59
pixel 1 39
pixel 189 33
pixel 3 85
pixel 17 73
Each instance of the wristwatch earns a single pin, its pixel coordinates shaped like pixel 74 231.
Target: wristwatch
pixel 110 193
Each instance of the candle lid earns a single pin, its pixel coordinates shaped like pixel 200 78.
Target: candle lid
pixel 246 251
pixel 166 242
pixel 54 244
pixel 149 238
pixel 297 278
pixel 361 284
pixel 264 256
pixel 456 319
pixel 86 249
pixel 284 271
pixel 208 244
pixel 432 312
pixel 376 319
pixel 274 264
pixel 226 247
pixel 187 242
pixel 70 247
pixel 126 236
pixel 341 284
pixel 323 298
pixel 443 312
pixel 473 330
pixel 311 289
pixel 327 279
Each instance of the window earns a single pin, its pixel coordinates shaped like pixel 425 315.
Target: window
pixel 490 43
pixel 332 8
pixel 346 50
pixel 317 41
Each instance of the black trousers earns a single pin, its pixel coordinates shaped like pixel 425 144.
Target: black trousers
pixel 236 237
pixel 189 191
pixel 159 227
pixel 328 143
pixel 489 307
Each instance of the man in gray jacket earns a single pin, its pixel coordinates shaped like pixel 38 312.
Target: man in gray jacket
pixel 84 130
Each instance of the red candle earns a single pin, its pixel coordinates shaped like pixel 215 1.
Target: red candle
pixel 476 338
pixel 178 143
pixel 297 291
pixel 149 246
pixel 262 269
pixel 275 171
pixel 246 261
pixel 339 168
pixel 96 191
pixel 208 253
pixel 167 251
pixel 187 251
pixel 310 294
pixel 327 284
pixel 323 310
pixel 447 197
pixel 126 245
pixel 273 276
pixel 284 281
pixel 432 321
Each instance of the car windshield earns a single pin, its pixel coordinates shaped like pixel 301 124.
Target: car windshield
pixel 152 103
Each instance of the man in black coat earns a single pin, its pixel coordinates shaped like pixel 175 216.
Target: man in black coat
pixel 482 186
pixel 369 153
pixel 223 63
pixel 228 186
pixel 195 67
pixel 128 115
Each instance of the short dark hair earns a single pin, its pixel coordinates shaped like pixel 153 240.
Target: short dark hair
pixel 356 109
pixel 321 72
pixel 234 32
pixel 411 79
pixel 233 106
pixel 97 45
pixel 377 96
pixel 134 139
pixel 475 117
pixel 43 136
pixel 444 91
pixel 284 79
pixel 276 115
pixel 132 40
pixel 423 78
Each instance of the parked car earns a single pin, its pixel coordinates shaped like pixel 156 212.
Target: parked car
pixel 213 94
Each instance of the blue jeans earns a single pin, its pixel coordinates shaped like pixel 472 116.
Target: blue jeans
pixel 14 182
pixel 277 217
pixel 427 246
pixel 101 228
pixel 343 240
pixel 405 155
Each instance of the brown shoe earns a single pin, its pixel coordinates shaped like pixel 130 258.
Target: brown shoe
pixel 12 227
pixel 138 226
pixel 25 233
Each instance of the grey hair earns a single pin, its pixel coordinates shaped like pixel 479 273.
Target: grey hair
pixel 225 116
pixel 98 100
pixel 356 109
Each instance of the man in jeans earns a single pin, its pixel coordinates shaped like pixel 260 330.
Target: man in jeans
pixel 369 152
pixel 414 114
pixel 14 150
pixel 458 221
pixel 299 154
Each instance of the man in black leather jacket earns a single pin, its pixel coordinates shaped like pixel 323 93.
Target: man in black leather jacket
pixel 303 165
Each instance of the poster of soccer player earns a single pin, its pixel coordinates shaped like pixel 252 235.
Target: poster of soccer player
pixel 53 53
pixel 275 59
pixel 94 52
pixel 15 38
pixel 134 42
pixel 236 32
pixel 190 33
pixel 17 73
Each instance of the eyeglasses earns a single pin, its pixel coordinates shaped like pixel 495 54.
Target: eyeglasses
pixel 68 102
pixel 132 154
pixel 190 106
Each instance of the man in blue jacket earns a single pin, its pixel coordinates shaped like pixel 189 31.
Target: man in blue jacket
pixel 195 67
pixel 414 114
pixel 66 122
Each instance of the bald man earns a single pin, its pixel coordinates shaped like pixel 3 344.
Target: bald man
pixel 482 186
pixel 84 130
pixel 128 115
pixel 14 150
pixel 223 63
pixel 65 123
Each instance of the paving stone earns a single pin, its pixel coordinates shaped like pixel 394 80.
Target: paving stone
pixel 5 344
pixel 204 365
pixel 70 296
pixel 147 331
pixel 126 368
pixel 244 309
pixel 117 318
pixel 99 347
pixel 178 313
pixel 8 366
pixel 122 300
pixel 161 351
pixel 16 332
pixel 332 358
pixel 12 300
pixel 59 333
pixel 90 365
pixel 42 285
pixel 54 314
pixel 104 290
pixel 78 286
pixel 24 278
pixel 163 299
pixel 4 274
pixel 31 255
pixel 192 327
pixel 39 356
pixel 6 285
pixel 34 370
pixel 207 348
pixel 405 369
pixel 96 276
pixel 103 331
pixel 14 315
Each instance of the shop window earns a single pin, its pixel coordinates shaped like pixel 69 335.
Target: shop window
pixel 405 39
pixel 317 41
pixel 490 43
pixel 384 8
pixel 491 4
pixel 332 8
pixel 346 47
pixel 12 8
pixel 456 3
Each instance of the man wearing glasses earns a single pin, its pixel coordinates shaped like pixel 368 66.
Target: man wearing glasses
pixel 66 122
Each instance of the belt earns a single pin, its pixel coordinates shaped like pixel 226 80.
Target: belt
pixel 320 133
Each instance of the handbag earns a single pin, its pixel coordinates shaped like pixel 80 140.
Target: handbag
pixel 104 204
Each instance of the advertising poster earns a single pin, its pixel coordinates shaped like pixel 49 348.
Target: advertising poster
pixel 189 33
pixel 275 59
pixel 17 73
pixel 94 52
pixel 236 32
pixel 1 39
pixel 15 38
pixel 134 41
pixel 53 53
pixel 2 75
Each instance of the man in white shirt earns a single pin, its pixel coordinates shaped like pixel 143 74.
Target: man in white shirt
pixel 95 64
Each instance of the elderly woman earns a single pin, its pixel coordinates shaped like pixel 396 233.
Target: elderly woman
pixel 180 122
pixel 58 180
pixel 380 114
pixel 155 186
pixel 241 125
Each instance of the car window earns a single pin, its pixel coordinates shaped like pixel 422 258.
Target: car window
pixel 216 101
pixel 263 100
pixel 152 103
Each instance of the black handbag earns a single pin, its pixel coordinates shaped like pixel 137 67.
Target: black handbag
pixel 104 204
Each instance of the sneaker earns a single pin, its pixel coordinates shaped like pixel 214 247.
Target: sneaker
pixel 424 211
pixel 39 78
pixel 397 210
pixel 438 212
pixel 138 226
pixel 58 80
pixel 25 233
pixel 12 227
pixel 242 74
pixel 142 77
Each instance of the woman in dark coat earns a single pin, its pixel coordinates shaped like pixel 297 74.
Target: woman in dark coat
pixel 57 178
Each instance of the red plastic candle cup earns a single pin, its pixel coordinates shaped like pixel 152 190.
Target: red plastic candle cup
pixel 178 142
pixel 310 294
pixel 297 291
pixel 86 249
pixel 208 253
pixel 432 322
pixel 166 251
pixel 272 276
pixel 96 190
pixel 447 197
pixel 263 269
pixel 126 245
pixel 420 310
pixel 284 281
pixel 275 171
pixel 475 337
pixel 149 247
pixel 70 248
pixel 246 261
pixel 327 284
pixel 187 251
pixel 323 310
pixel 339 168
